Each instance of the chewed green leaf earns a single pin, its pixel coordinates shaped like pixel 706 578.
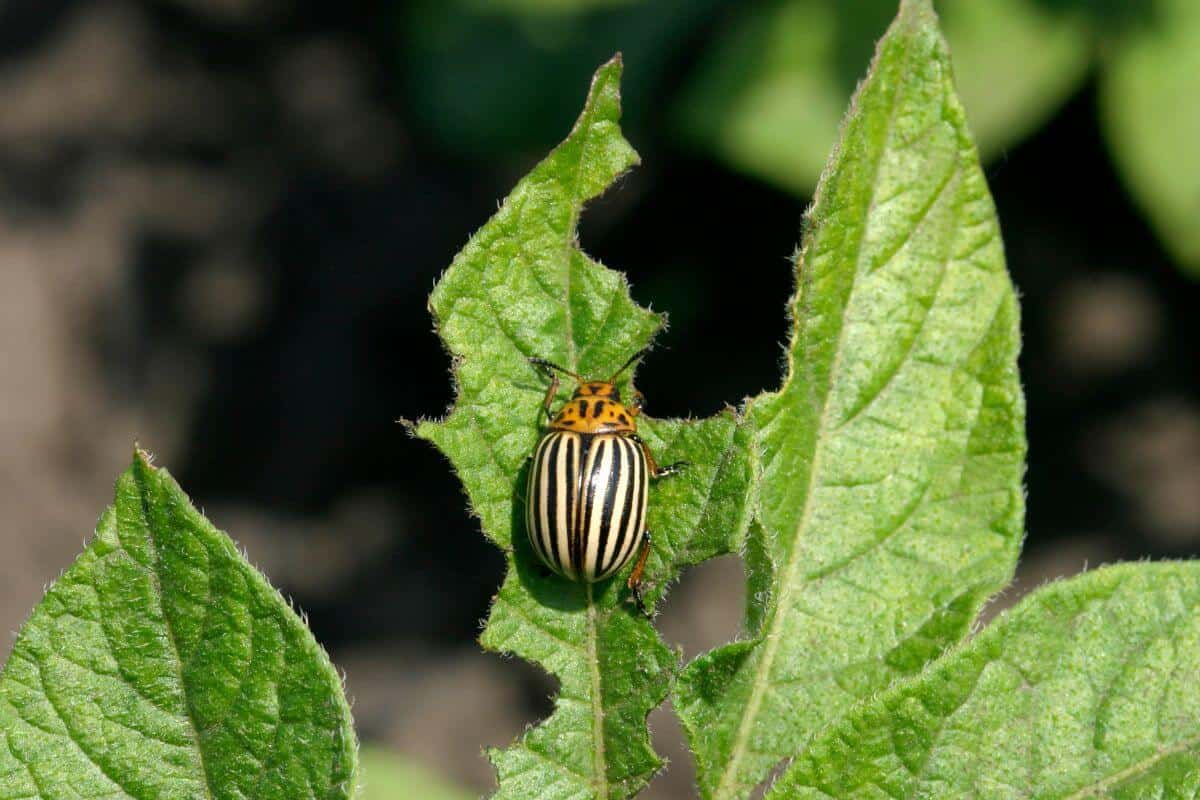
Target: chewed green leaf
pixel 769 96
pixel 1152 121
pixel 891 502
pixel 521 288
pixel 162 666
pixel 1086 689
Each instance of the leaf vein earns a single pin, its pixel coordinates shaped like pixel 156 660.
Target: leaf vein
pixel 766 661
pixel 153 573
pixel 50 701
pixel 911 343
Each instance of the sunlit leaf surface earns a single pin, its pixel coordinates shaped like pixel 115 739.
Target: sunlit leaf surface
pixel 162 666
pixel 891 501
pixel 521 287
pixel 1085 689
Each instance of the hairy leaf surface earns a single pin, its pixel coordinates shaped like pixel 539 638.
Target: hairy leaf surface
pixel 162 666
pixel 1086 689
pixel 891 502
pixel 768 98
pixel 521 287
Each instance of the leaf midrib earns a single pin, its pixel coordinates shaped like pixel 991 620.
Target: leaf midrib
pixel 156 582
pixel 585 123
pixel 729 779
pixel 599 763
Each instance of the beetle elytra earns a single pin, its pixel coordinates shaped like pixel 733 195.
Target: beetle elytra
pixel 586 511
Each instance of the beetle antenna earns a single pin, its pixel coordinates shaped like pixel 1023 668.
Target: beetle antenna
pixel 541 362
pixel 635 357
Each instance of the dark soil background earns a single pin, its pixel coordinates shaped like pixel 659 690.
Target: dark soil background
pixel 220 219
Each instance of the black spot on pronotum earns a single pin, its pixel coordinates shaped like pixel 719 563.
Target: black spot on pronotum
pixel 583 408
pixel 598 409
pixel 624 419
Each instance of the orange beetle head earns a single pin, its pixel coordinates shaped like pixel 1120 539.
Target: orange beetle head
pixel 602 389
pixel 596 405
pixel 595 408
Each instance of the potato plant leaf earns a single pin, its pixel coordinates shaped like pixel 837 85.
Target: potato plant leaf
pixel 521 287
pixel 162 666
pixel 1086 689
pixel 890 504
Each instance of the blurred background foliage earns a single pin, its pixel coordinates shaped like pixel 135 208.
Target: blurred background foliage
pixel 766 91
pixel 220 219
pixel 387 776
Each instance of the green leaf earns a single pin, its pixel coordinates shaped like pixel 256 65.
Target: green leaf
pixel 1148 106
pixel 1086 689
pixel 891 502
pixel 162 665
pixel 768 98
pixel 390 776
pixel 521 287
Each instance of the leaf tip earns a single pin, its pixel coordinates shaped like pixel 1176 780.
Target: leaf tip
pixel 609 70
pixel 142 466
pixel 916 10
pixel 916 18
pixel 424 427
pixel 603 104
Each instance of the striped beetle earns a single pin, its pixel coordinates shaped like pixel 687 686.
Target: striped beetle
pixel 586 508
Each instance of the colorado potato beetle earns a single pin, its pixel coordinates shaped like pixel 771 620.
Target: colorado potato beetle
pixel 586 509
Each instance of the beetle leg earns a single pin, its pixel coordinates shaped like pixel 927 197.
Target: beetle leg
pixel 655 469
pixel 550 371
pixel 635 578
pixel 673 468
pixel 550 393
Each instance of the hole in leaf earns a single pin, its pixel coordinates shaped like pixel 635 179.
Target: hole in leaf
pixel 679 779
pixel 706 608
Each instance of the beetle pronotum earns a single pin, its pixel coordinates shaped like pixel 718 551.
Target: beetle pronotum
pixel 586 511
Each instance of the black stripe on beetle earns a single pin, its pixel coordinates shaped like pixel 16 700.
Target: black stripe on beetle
pixel 585 512
pixel 586 500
